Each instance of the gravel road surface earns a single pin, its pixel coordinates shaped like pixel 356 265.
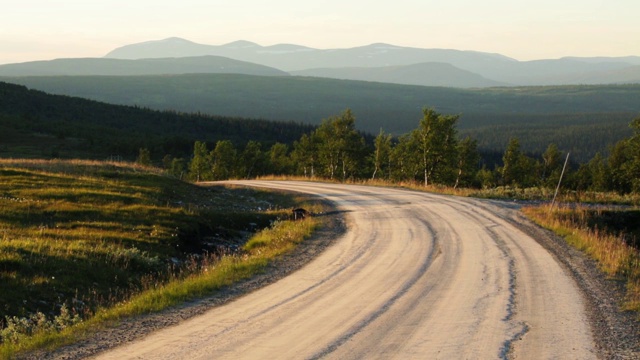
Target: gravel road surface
pixel 416 275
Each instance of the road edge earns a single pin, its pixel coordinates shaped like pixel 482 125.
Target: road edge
pixel 616 332
pixel 132 329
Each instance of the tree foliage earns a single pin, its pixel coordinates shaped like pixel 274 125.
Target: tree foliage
pixel 431 153
pixel 305 155
pixel 279 160
pixel 468 159
pixel 437 142
pixel 381 156
pixel 199 167
pixel 634 148
pixel 223 160
pixel 144 157
pixel 341 148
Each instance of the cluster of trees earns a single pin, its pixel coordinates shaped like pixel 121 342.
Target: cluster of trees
pixel 620 171
pixel 431 154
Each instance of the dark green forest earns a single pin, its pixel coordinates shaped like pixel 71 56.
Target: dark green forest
pixel 36 124
pixel 202 147
pixel 581 119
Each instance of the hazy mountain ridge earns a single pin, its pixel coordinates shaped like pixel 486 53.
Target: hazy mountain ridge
pixel 492 67
pixel 152 66
pixel 377 62
pixel 625 59
pixel 555 72
pixel 374 55
pixel 424 74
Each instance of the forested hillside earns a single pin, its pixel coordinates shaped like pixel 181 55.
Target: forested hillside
pixel 424 74
pixel 201 147
pixel 580 119
pixel 36 124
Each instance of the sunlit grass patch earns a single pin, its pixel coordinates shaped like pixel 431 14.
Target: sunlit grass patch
pixel 203 278
pixel 613 252
pixel 108 240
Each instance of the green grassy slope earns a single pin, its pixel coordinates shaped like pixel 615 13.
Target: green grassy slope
pixel 89 234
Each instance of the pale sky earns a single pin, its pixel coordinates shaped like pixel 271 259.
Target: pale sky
pixel 524 30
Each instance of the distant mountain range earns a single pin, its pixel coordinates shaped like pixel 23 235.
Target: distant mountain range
pixel 206 64
pixel 351 63
pixel 376 62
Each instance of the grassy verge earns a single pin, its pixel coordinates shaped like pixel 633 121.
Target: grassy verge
pixel 213 275
pixel 611 246
pixel 500 192
pixel 83 244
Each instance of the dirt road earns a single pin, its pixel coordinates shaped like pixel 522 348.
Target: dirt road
pixel 416 276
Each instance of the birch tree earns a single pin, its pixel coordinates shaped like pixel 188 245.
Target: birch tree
pixel 437 141
pixel 381 154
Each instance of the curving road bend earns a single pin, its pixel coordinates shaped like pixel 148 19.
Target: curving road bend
pixel 417 276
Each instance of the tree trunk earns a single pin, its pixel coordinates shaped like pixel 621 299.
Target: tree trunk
pixel 455 186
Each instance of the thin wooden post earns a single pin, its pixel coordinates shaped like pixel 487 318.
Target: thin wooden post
pixel 559 181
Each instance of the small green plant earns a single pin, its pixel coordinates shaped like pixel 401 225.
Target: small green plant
pixel 18 328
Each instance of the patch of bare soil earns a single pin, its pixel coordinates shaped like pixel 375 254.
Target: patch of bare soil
pixel 131 329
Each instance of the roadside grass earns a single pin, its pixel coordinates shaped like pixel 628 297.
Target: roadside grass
pixel 205 278
pixel 613 247
pixel 84 243
pixel 536 194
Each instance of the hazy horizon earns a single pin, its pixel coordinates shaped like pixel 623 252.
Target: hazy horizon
pixel 43 30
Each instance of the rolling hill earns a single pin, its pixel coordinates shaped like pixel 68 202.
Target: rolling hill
pixel 289 57
pixel 424 74
pixel 584 119
pixel 37 124
pixel 206 64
